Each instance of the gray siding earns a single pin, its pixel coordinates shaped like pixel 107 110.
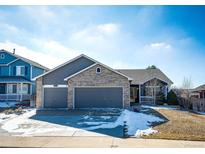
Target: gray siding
pixel 57 76
pixel 98 97
pixel 55 97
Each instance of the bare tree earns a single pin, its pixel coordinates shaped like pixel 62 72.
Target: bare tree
pixel 187 83
pixel 185 93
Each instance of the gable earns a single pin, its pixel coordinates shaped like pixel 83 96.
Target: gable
pixel 57 75
pixel 10 58
pixel 7 58
pixel 105 76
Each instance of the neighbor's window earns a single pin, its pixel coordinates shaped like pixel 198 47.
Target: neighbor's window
pixel 2 56
pixel 98 70
pixel 20 70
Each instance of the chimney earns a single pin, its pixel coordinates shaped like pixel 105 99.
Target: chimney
pixel 14 50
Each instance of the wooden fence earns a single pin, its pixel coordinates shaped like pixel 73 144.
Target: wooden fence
pixel 198 104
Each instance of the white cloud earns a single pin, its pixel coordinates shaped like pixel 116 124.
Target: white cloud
pixel 40 14
pixel 160 45
pixel 51 55
pixel 98 33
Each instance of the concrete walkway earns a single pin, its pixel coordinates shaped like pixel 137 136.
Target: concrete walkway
pixel 95 142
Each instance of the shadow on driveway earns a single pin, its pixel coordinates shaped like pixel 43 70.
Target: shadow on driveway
pixel 83 119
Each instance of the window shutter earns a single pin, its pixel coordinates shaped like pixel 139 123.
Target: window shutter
pixel 14 70
pixel 26 70
pixel 22 71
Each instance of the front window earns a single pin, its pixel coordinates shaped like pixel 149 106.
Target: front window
pixel 20 70
pixel 24 89
pixel 17 89
pixel 12 89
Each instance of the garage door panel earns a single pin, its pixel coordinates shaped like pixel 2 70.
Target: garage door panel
pixel 110 97
pixel 55 97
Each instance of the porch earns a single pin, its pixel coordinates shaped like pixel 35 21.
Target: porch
pixel 15 91
pixel 151 92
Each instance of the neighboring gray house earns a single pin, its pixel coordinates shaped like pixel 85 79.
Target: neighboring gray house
pixel 86 83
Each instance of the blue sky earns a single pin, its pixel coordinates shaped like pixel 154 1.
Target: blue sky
pixel 170 37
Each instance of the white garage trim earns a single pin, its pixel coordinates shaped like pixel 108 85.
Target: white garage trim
pixel 55 86
pixel 98 87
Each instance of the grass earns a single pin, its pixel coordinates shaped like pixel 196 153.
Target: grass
pixel 180 125
pixel 18 110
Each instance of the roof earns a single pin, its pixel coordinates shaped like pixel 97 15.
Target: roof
pixel 82 55
pixel 14 79
pixel 26 60
pixel 140 76
pixel 199 88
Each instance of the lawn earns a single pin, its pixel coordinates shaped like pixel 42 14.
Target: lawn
pixel 181 125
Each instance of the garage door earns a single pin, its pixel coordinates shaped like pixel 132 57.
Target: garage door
pixel 55 97
pixel 98 97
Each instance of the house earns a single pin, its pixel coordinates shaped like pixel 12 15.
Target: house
pixel 16 73
pixel 86 83
pixel 198 92
pixel 197 96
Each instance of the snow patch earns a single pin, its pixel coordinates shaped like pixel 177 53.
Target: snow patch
pixel 160 107
pixel 105 117
pixel 138 123
pixel 146 132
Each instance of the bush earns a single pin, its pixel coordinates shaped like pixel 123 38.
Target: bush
pixel 160 99
pixel 172 98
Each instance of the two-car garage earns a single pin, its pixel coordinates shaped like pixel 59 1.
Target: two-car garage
pixel 84 97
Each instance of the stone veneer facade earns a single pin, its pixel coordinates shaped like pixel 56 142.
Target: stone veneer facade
pixel 39 92
pixel 106 78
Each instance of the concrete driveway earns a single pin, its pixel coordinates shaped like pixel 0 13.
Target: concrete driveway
pixel 63 123
pixel 81 120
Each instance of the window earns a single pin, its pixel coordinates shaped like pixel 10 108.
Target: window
pixel 12 88
pixel 2 56
pixel 20 70
pixel 98 70
pixel 24 89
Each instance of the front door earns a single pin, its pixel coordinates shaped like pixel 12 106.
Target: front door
pixel 134 94
pixel 2 88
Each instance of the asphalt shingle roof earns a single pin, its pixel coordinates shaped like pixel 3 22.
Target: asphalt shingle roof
pixel 140 76
pixel 199 88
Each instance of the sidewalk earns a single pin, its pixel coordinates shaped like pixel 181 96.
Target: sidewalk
pixel 95 142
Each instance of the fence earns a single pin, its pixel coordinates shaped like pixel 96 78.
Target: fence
pixel 198 104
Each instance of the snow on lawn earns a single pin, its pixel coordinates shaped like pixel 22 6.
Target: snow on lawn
pixel 161 107
pixel 138 123
pixel 4 117
pixel 24 125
